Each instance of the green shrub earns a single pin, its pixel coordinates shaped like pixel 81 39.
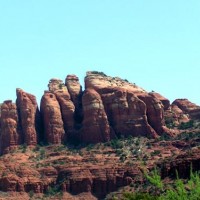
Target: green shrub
pixel 42 153
pixel 24 148
pixel 116 144
pixel 155 152
pixel 155 179
pixel 31 194
pixel 186 125
pixel 100 73
pixel 170 123
pixel 138 196
pixel 52 191
pixel 180 190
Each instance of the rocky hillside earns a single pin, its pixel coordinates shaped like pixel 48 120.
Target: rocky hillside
pixel 107 110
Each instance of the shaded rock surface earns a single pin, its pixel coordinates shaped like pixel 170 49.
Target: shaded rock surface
pixel 29 116
pixel 10 135
pixel 181 164
pixel 67 107
pixel 154 112
pixel 127 113
pixel 175 116
pixel 75 90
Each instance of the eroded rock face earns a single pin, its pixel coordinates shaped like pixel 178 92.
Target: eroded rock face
pixel 100 82
pixel 75 91
pixel 165 102
pixel 175 116
pixel 111 107
pixel 182 165
pixel 126 112
pixel 95 124
pixel 58 88
pixel 26 180
pixel 10 136
pixel 28 116
pixel 155 112
pixel 52 119
pixel 97 180
pixel 74 88
pixel 188 108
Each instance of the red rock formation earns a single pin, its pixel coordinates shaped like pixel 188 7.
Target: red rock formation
pixel 57 87
pixel 28 116
pixel 75 91
pixel 179 114
pixel 95 124
pixel 188 108
pixel 100 82
pixel 97 180
pixel 74 87
pixel 52 119
pixel 126 113
pixel 165 102
pixel 10 136
pixel 155 112
pixel 181 164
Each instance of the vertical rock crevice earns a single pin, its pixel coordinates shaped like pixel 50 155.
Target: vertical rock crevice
pixel 75 90
pixel 67 107
pixel 154 112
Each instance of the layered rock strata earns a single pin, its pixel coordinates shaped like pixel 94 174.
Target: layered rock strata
pixel 96 180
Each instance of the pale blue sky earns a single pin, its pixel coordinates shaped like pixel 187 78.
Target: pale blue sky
pixel 153 43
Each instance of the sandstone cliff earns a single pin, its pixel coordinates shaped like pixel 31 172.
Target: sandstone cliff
pixel 10 134
pixel 109 107
pixel 107 110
